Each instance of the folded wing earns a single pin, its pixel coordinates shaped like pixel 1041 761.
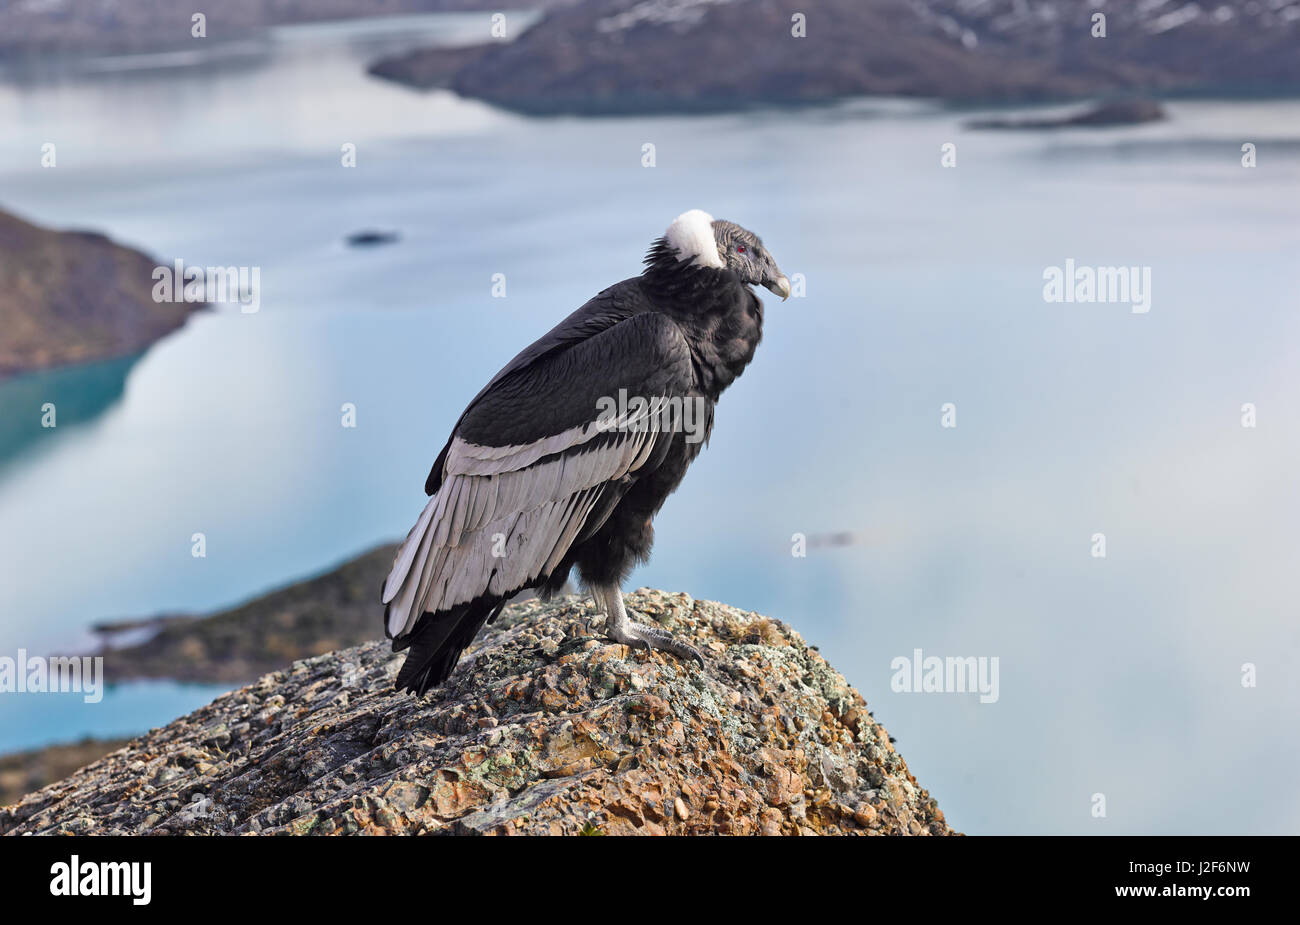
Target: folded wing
pixel 536 463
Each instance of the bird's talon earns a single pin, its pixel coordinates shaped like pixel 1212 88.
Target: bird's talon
pixel 639 635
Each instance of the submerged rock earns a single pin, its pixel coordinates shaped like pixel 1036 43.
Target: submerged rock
pixel 1101 115
pixel 371 238
pixel 545 728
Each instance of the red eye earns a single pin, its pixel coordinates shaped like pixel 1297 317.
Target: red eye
pixel 740 249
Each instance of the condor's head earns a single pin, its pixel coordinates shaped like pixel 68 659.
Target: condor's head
pixel 696 240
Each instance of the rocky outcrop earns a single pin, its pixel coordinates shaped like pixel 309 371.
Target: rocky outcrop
pixel 646 56
pixel 545 727
pixel 73 297
pixel 23 772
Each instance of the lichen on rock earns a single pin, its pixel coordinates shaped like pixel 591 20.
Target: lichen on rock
pixel 544 728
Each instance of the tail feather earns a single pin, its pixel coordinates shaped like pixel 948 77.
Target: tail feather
pixel 436 642
pixel 433 640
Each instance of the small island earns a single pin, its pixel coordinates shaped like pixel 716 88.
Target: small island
pixel 72 297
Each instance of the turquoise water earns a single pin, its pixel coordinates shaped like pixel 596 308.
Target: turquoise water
pixel 80 394
pixel 1117 675
pixel 31 720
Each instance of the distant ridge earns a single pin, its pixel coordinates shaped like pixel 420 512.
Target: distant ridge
pixel 601 57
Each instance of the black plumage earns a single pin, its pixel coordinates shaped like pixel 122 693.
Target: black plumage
pixel 534 483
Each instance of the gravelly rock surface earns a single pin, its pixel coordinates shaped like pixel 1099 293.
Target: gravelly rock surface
pixel 545 727
pixel 25 771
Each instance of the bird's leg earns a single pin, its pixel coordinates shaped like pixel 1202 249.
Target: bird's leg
pixel 637 635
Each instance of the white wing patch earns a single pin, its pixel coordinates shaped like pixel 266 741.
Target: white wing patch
pixel 501 518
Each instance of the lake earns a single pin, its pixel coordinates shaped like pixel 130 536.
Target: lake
pixel 1119 675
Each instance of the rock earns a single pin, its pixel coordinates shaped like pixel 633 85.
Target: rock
pixel 75 297
pixel 1102 115
pixel 23 772
pixel 372 238
pixel 545 728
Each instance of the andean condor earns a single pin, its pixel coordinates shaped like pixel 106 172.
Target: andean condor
pixel 564 458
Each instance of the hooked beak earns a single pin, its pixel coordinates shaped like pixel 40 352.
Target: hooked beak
pixel 780 286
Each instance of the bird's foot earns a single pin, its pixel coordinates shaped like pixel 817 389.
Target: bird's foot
pixel 637 635
pixel 641 636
